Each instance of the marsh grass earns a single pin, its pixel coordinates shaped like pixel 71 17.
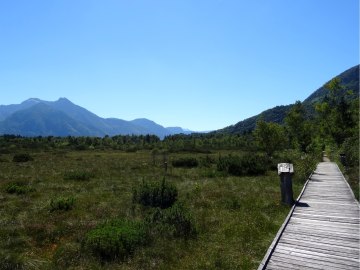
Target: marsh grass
pixel 62 203
pixel 235 217
pixel 18 188
pixel 79 175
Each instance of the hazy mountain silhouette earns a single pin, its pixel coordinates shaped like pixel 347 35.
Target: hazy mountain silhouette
pixel 36 117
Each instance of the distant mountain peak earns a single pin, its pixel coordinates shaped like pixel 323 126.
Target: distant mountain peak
pixel 63 100
pixel 32 100
pixel 142 119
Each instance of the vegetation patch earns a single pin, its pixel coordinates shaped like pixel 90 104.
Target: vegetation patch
pixel 253 164
pixel 24 157
pixel 187 162
pixel 116 239
pixel 62 203
pixel 78 175
pixel 156 194
pixel 175 221
pixel 18 188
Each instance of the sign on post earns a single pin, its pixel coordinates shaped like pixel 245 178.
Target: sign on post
pixel 285 170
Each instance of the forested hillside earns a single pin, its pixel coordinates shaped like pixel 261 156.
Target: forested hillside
pixel 349 81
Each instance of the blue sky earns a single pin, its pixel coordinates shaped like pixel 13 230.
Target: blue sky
pixel 201 64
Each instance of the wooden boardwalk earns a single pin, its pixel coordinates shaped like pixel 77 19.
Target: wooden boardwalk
pixel 322 229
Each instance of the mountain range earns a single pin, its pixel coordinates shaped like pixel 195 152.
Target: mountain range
pixel 36 117
pixel 349 81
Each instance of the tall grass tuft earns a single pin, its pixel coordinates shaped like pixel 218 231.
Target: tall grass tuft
pixel 62 203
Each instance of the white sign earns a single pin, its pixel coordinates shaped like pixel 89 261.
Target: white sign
pixel 285 168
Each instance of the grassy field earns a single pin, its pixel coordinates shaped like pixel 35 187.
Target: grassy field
pixel 236 218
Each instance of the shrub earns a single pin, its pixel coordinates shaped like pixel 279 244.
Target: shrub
pixel 304 166
pixel 115 239
pixel 350 148
pixel 188 162
pixel 157 194
pixel 62 203
pixel 22 158
pixel 18 188
pixel 243 165
pixel 78 175
pixel 176 221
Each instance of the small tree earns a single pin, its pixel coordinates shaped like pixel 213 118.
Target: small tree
pixel 335 119
pixel 269 137
pixel 298 128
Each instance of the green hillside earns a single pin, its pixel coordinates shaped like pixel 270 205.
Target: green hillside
pixel 349 81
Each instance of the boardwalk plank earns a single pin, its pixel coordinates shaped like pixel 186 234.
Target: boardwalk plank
pixel 296 252
pixel 337 241
pixel 308 264
pixel 319 264
pixel 350 253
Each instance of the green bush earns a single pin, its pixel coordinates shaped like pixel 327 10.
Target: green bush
pixel 187 162
pixel 78 175
pixel 22 158
pixel 62 203
pixel 252 164
pixel 350 148
pixel 156 194
pixel 116 239
pixel 176 221
pixel 18 188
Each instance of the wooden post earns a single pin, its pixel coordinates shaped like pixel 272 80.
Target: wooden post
pixel 285 170
pixel 165 166
pixel 343 159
